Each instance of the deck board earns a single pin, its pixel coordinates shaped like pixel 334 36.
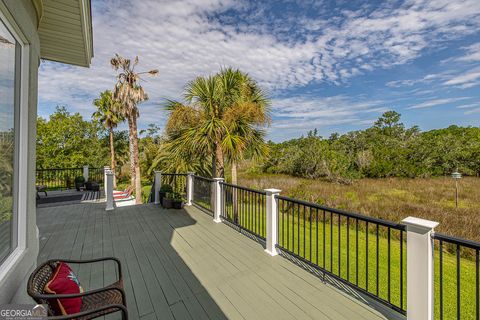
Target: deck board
pixel 179 264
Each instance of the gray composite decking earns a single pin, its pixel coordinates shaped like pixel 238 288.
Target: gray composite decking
pixel 179 264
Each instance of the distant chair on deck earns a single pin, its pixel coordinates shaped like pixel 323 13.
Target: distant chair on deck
pixel 124 198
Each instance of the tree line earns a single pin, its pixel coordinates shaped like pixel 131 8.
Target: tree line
pixel 387 149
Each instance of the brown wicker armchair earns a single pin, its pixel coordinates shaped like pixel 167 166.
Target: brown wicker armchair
pixel 95 303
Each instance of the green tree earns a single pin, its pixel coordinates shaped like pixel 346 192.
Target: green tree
pixel 220 120
pixel 66 140
pixel 129 93
pixel 108 116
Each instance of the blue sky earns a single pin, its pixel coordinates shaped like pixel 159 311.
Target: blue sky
pixel 334 66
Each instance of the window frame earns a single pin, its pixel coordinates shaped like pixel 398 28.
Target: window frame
pixel 20 192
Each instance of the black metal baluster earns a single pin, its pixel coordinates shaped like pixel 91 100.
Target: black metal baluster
pixel 366 256
pixel 339 247
pixel 458 282
pixel 348 248
pixel 250 216
pixel 331 242
pixel 376 260
pixel 316 231
pixel 310 238
pixel 324 218
pixel 283 223
pixel 288 228
pixel 401 269
pixel 441 278
pixel 255 222
pixel 256 227
pixel 356 252
pixel 477 272
pixel 298 229
pixel 304 234
pixel 389 264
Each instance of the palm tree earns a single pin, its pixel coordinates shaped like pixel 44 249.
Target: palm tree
pixel 107 115
pixel 220 120
pixel 129 93
pixel 249 111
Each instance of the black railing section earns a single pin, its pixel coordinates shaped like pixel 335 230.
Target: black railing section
pixel 151 195
pixel 96 175
pixel 202 193
pixel 245 208
pixel 457 278
pixel 360 251
pixel 57 179
pixel 178 182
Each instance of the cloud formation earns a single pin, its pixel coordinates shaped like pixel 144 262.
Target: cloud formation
pixel 187 38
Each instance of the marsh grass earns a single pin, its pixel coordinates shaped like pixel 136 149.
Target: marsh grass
pixel 392 199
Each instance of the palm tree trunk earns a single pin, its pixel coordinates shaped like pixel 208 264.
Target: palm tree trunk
pixel 235 197
pixel 132 156
pixel 219 163
pixel 138 180
pixel 234 173
pixel 112 157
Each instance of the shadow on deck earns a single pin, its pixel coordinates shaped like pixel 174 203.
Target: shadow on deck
pixel 179 264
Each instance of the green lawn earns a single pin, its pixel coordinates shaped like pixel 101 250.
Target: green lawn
pixel 336 262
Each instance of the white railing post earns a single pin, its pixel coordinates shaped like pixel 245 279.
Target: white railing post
pixel 419 268
pixel 217 210
pixel 105 170
pixel 272 221
pixel 85 173
pixel 158 185
pixel 190 188
pixel 109 190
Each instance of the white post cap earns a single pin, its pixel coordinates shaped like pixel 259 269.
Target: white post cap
pixel 419 225
pixel 272 191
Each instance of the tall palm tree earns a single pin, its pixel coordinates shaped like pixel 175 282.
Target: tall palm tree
pixel 130 93
pixel 220 120
pixel 107 115
pixel 248 113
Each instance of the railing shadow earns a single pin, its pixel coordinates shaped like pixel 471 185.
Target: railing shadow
pixel 343 287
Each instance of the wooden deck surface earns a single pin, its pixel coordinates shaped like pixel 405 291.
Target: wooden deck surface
pixel 179 264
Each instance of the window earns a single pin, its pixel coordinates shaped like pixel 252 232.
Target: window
pixel 10 51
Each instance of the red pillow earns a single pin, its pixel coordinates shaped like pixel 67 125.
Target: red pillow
pixel 64 281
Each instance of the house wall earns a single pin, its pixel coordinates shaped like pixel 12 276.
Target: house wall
pixel 22 14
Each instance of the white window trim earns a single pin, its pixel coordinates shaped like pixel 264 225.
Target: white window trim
pixel 22 147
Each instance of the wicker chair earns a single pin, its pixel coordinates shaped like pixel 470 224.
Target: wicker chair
pixel 95 303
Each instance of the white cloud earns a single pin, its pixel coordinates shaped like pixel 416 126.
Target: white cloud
pixel 436 102
pixel 184 39
pixel 472 111
pixel 472 53
pixel 303 113
pixel 468 106
pixel 465 80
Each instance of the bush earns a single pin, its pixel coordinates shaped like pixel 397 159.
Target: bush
pixel 79 179
pixel 166 188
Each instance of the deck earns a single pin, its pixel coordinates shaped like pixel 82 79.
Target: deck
pixel 179 264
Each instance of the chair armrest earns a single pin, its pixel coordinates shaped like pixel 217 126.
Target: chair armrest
pixel 86 313
pixel 48 296
pixel 119 265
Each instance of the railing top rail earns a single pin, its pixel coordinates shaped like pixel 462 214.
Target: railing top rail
pixel 455 240
pixel 203 178
pixel 358 216
pixel 174 174
pixel 47 169
pixel 243 188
